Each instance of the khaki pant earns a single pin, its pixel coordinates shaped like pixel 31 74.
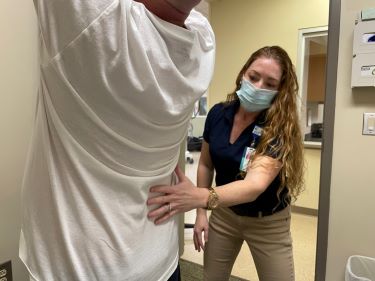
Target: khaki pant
pixel 268 237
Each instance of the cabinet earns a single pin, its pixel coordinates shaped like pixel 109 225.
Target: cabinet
pixel 316 73
pixel 316 82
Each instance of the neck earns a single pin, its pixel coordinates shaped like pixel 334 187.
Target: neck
pixel 168 10
pixel 246 116
pixel 182 10
pixel 184 6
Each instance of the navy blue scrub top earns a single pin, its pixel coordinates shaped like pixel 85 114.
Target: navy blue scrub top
pixel 226 158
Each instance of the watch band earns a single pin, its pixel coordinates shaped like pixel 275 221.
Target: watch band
pixel 213 199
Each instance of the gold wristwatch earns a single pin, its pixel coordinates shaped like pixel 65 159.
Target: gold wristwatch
pixel 213 199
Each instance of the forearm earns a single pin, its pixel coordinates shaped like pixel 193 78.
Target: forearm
pixel 204 180
pixel 238 192
pixel 259 176
pixel 204 176
pixel 231 194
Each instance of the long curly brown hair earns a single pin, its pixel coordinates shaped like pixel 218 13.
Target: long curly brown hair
pixel 281 132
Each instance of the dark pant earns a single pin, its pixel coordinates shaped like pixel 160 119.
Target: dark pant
pixel 176 275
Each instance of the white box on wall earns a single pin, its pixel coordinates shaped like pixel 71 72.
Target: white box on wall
pixel 363 65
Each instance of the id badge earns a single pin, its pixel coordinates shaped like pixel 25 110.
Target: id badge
pixel 257 131
pixel 246 157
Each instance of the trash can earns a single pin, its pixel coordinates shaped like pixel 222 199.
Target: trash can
pixel 360 268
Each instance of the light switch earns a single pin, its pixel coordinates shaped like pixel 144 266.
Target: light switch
pixel 368 124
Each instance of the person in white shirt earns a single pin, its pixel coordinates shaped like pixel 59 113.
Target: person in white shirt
pixel 119 79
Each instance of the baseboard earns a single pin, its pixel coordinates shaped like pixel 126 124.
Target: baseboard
pixel 188 233
pixel 304 211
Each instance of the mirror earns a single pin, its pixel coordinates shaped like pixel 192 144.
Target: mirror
pixel 311 72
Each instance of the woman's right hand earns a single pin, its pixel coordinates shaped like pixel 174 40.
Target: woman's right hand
pixel 200 230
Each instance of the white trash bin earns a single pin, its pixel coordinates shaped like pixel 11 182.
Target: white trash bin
pixel 360 268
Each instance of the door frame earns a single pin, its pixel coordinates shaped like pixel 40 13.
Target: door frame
pixel 327 142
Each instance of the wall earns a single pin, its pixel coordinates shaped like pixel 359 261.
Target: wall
pixel 18 84
pixel 309 198
pixel 243 26
pixel 351 218
pixel 198 125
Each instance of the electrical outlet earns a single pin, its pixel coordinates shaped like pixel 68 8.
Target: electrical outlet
pixel 6 271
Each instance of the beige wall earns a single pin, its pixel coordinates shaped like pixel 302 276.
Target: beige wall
pixel 352 200
pixel 309 198
pixel 243 26
pixel 18 84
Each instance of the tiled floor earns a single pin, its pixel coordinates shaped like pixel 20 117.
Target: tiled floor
pixel 303 230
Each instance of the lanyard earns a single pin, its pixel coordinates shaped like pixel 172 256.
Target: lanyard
pixel 249 151
pixel 257 133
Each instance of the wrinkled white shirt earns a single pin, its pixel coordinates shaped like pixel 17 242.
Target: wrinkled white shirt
pixel 116 94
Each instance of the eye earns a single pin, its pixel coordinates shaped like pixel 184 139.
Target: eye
pixel 271 86
pixel 253 78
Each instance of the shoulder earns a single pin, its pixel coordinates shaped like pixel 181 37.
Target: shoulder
pixel 216 110
pixel 218 113
pixel 200 25
pixel 214 119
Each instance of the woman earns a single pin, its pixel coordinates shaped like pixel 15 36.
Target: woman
pixel 253 143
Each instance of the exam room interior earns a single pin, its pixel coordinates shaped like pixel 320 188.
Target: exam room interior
pixel 351 224
pixel 216 93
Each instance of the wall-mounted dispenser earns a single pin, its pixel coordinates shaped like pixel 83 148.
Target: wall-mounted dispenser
pixel 363 65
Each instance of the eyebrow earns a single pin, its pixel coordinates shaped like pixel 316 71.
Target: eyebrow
pixel 268 77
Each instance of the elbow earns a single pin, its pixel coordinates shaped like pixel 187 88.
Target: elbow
pixel 202 167
pixel 254 191
pixel 254 195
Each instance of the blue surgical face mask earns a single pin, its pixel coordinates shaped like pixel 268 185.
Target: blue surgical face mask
pixel 253 99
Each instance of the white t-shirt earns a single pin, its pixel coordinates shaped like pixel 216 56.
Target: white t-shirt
pixel 117 90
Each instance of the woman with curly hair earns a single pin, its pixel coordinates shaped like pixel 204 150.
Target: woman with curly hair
pixel 253 142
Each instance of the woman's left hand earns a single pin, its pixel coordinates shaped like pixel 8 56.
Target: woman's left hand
pixel 182 197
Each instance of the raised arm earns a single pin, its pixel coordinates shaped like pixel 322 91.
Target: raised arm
pixel 61 21
pixel 173 11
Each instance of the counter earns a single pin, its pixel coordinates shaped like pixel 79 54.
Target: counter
pixel 312 144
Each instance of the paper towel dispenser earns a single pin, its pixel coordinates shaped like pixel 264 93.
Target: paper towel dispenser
pixel 363 65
